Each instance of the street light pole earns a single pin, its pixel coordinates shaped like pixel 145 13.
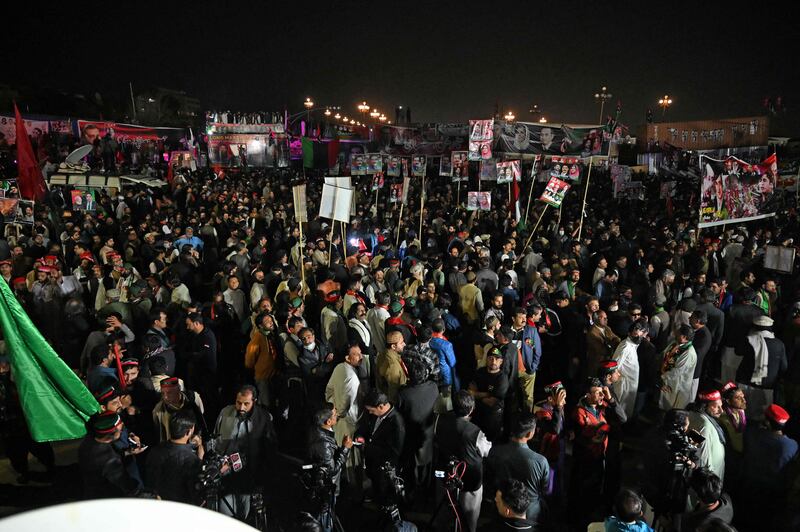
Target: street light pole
pixel 664 102
pixel 601 97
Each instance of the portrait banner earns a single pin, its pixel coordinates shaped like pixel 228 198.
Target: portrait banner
pixel 418 165
pixel 35 128
pixel 395 192
pixel 25 209
pixel 479 201
pixel 374 163
pixel 508 171
pixel 481 136
pixel 358 164
pixel 566 169
pixel 460 163
pixel 620 177
pixel 733 190
pixel 549 139
pixel 445 166
pixel 242 151
pixel 378 181
pixel 554 192
pixel 488 170
pixel 394 166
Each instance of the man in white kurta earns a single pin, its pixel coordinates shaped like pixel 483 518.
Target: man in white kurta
pixel 628 365
pixel 346 392
pixel 711 453
pixel 677 372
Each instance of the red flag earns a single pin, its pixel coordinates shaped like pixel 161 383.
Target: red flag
pixel 513 201
pixel 29 180
pixel 333 152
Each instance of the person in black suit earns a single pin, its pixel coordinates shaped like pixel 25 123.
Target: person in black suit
pixel 702 344
pixel 383 434
pixel 415 402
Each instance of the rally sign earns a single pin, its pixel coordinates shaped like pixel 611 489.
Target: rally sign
pixel 554 192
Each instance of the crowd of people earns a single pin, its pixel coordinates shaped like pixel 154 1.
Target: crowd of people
pixel 613 370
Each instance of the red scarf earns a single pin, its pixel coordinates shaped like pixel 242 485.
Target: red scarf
pixel 399 321
pixel 440 335
pixel 356 295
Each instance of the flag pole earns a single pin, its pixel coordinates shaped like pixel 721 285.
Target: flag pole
pixel 530 192
pixel 533 231
pixel 421 208
pixel 300 255
pixel 585 192
pixel 399 219
pixel 458 194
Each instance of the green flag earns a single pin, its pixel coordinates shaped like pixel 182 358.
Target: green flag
pixel 308 152
pixel 55 401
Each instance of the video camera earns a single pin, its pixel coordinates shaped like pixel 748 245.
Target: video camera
pixel 449 475
pixel 318 484
pixel 211 469
pixel 392 490
pixel 683 446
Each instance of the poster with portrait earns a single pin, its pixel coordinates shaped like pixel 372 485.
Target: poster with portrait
pixel 25 210
pixel 733 190
pixel 481 136
pixel 418 165
pixel 395 192
pixel 566 169
pixel 374 163
pixel 554 192
pixel 542 138
pixel 35 128
pixel 620 177
pixel 83 199
pixel 246 150
pixel 488 170
pixel 394 167
pixel 479 201
pixel 667 189
pixel 358 164
pixel 460 163
pixel 508 171
pixel 445 166
pixel 378 181
pixel 8 209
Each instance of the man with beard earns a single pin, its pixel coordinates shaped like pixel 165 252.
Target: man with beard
pixel 626 357
pixel 261 355
pixel 244 427
pixel 677 370
pixel 703 417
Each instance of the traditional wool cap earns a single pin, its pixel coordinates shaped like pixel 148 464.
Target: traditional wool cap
pixel 777 414
pixel 396 307
pixel 50 259
pixel 106 394
pixel 43 268
pixel 19 280
pixel 296 302
pixel 730 385
pixel 608 366
pixel 709 395
pixel 87 256
pixel 763 321
pixel 471 276
pixel 394 262
pixel 170 382
pixel 7 262
pixel 332 296
pixel 105 423
pixel 544 414
pixel 130 363
pixel 554 387
pixel 112 293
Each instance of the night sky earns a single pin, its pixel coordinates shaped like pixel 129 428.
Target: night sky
pixel 447 60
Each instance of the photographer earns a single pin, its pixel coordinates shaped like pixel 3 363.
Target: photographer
pixel 457 438
pixel 324 452
pixel 244 427
pixel 173 466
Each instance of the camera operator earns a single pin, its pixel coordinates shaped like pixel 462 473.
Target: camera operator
pixel 712 503
pixel 323 451
pixel 245 428
pixel 173 466
pixel 457 438
pixel 384 433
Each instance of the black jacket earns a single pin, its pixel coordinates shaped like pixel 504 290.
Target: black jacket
pixel 384 444
pixel 702 345
pixel 103 471
pixel 457 437
pixel 416 404
pixel 323 450
pixel 776 362
pixel 172 471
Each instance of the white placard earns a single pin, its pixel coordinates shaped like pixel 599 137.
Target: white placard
pixel 336 203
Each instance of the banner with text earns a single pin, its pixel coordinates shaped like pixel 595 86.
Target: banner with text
pixel 733 190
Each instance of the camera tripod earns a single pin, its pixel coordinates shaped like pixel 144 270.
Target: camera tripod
pixel 452 491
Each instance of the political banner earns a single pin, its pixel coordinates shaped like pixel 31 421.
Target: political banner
pixel 378 181
pixel 479 201
pixel 374 163
pixel 460 163
pixel 620 177
pixel 445 166
pixel 566 168
pixel 508 171
pixel 8 209
pixel 358 164
pixel 394 166
pixel 90 130
pixel 418 165
pixel 733 190
pixel 481 135
pixel 25 209
pixel 554 192
pixel 395 192
pixel 242 151
pixel 535 138
pixel 84 199
pixel 300 204
pixel 488 170
pixel 427 139
pixel 35 128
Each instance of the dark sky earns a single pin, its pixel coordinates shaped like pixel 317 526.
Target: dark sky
pixel 447 60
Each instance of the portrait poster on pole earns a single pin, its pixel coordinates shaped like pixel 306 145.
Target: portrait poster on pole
pixel 481 135
pixel 488 170
pixel 508 171
pixel 374 163
pixel 395 192
pixel 393 166
pixel 358 164
pixel 554 193
pixel 733 190
pixel 479 201
pixel 460 165
pixel 566 168
pixel 377 181
pixel 445 166
pixel 418 164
